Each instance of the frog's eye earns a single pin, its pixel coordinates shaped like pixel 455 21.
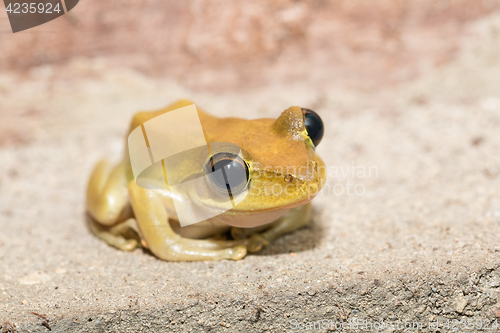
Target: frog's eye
pixel 227 173
pixel 314 125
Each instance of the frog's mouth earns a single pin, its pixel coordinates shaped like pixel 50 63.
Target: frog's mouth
pixel 243 208
pixel 285 207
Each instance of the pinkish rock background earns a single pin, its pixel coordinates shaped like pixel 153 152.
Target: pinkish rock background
pixel 220 45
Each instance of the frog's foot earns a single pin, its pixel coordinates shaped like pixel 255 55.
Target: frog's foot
pixel 257 242
pixel 117 235
pixel 179 248
pixel 291 221
pixel 238 233
pixel 242 233
pixel 217 237
pixel 195 249
pixel 164 243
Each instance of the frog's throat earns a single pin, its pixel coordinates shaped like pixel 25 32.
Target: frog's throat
pixel 286 207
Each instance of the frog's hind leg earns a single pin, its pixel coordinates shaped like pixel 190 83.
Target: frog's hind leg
pixel 291 221
pixel 159 237
pixel 107 200
pixel 123 236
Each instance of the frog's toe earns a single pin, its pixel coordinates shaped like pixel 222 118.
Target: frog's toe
pixel 237 253
pixel 238 233
pixel 128 245
pixel 256 243
pixel 219 237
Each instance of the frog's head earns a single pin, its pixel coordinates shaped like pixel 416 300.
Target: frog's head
pixel 277 167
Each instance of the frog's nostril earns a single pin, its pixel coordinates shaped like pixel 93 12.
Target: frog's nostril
pixel 288 178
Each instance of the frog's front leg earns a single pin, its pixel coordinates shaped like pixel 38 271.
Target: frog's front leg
pixel 154 227
pixel 243 233
pixel 291 221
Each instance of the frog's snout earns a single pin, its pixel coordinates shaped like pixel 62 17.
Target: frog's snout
pixel 308 180
pixel 319 176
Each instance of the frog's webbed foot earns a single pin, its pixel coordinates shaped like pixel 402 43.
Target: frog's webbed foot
pixel 244 233
pixel 238 233
pixel 257 242
pixel 291 221
pixel 218 237
pixel 158 236
pixel 120 236
pixel 251 237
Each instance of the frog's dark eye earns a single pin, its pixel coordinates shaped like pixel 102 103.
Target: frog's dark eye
pixel 227 173
pixel 314 125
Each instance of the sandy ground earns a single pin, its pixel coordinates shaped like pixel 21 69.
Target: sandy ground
pixel 419 245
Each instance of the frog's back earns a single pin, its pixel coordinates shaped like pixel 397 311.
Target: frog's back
pixel 142 117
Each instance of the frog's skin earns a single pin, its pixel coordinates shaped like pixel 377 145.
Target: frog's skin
pixel 127 216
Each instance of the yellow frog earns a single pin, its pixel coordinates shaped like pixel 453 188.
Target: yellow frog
pixel 283 174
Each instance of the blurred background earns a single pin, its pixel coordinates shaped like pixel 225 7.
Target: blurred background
pixel 219 45
pixel 298 48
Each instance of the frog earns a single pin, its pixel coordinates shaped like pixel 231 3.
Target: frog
pixel 283 174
